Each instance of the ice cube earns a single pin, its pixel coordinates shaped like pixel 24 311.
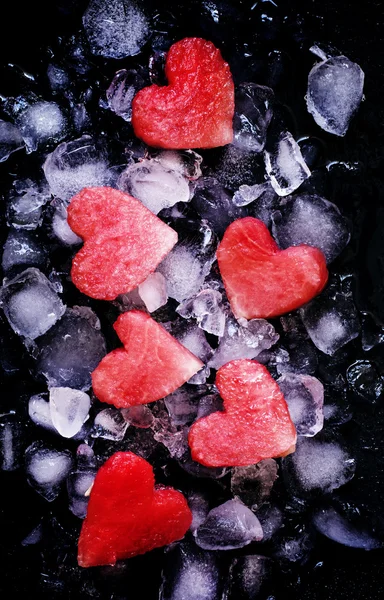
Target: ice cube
pixel 209 404
pixel 41 122
pixel 110 424
pixel 46 469
pixel 79 482
pixel 310 219
pixel 365 380
pixel 10 140
pixel 335 90
pixel 25 205
pixel 318 465
pixel 31 304
pixel 153 291
pixel 60 227
pixel 40 412
pixel 22 249
pixel 249 578
pixel 236 167
pixel 172 437
pixel 228 526
pixel 253 113
pixel 206 308
pixel 115 28
pixel 186 162
pixel 337 528
pixel 189 262
pixel 197 470
pixel 253 484
pixel 372 331
pixel 138 416
pixel 285 165
pixel 305 398
pixel 331 318
pixel 243 339
pixel 271 519
pixel 182 405
pixel 199 505
pixel 193 338
pixel 214 204
pixel 11 442
pixel 249 193
pixel 74 165
pixel 294 548
pixel 58 78
pixel 34 537
pixel 69 410
pixel 69 353
pixel 190 574
pixel 155 185
pixel 121 92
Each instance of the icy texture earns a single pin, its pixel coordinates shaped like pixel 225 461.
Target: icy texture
pixel 47 469
pixel 193 338
pixel 365 380
pixel 312 220
pixel 185 162
pixel 243 339
pixel 155 185
pixel 295 548
pixel 321 465
pixel 249 193
pixel 58 78
pixel 188 264
pixel 70 352
pixel 10 140
pixel 153 291
pixel 74 165
pixel 253 113
pixel 115 28
pixel 40 122
pixel 24 209
pixel 214 204
pixel 40 412
pixel 138 416
pixel 60 226
pixel 209 404
pixel 271 519
pixel 248 578
pixel 335 90
pixel 199 505
pixel 79 482
pixel 302 357
pixel 331 319
pixel 286 166
pixel 31 304
pixel 110 424
pixel 34 537
pixel 372 332
pixel 253 484
pixel 190 574
pixel 69 410
pixel 336 527
pixel 207 309
pixel 11 442
pixel 228 526
pixel 22 249
pixel 305 398
pixel 183 404
pixel 121 92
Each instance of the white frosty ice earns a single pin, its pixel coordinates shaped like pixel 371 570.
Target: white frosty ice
pixel 285 165
pixel 69 410
pixel 153 291
pixel 10 140
pixel 40 122
pixel 305 397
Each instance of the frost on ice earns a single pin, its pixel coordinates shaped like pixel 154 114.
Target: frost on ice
pixel 305 397
pixel 10 140
pixel 338 528
pixel 69 410
pixel 47 469
pixel 121 92
pixel 253 113
pixel 285 165
pixel 206 308
pixel 40 122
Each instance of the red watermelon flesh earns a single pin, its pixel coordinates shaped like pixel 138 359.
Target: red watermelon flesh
pixel 195 109
pixel 127 514
pixel 151 365
pixel 124 242
pixel 262 281
pixel 255 425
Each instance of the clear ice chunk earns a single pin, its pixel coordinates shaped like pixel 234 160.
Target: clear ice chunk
pixel 188 264
pixel 365 380
pixel 115 28
pixel 69 353
pixel 155 185
pixel 74 165
pixel 310 219
pixel 206 308
pixel 79 482
pixel 22 249
pixel 47 469
pixel 294 548
pixel 285 165
pixel 323 466
pixel 271 519
pixel 138 416
pixel 10 140
pixel 372 331
pixel 214 204
pixel 199 505
pixel 69 410
pixel 183 404
pixel 253 484
pixel 40 412
pixel 41 122
pixel 11 442
pixel 58 78
pixel 153 291
pixel 121 92
pixel 305 398
pixel 253 113
pixel 31 304
pixel 110 424
pixel 249 578
pixel 25 205
pixel 337 528
pixel 334 93
pixel 190 574
pixel 193 338
pixel 185 162
pixel 60 227
pixel 331 319
pixel 228 526
pixel 243 339
pixel 249 193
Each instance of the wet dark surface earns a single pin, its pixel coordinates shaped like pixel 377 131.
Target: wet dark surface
pixel 276 40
